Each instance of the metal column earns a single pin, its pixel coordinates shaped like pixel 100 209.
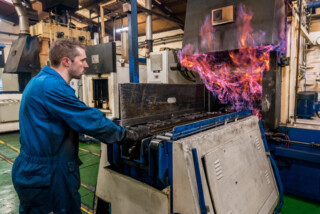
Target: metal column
pixel 149 40
pixel 133 43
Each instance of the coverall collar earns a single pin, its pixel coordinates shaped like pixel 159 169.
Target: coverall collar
pixel 51 71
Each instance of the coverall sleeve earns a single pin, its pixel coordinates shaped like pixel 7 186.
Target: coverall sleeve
pixel 62 103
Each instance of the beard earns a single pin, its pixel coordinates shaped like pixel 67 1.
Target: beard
pixel 74 74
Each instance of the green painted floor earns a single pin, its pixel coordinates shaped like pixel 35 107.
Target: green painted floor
pixel 9 202
pixel 9 147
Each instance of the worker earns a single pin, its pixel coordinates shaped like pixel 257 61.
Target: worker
pixel 46 172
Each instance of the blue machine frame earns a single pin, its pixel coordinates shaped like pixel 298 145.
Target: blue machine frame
pixel 154 163
pixel 133 43
pixel 299 164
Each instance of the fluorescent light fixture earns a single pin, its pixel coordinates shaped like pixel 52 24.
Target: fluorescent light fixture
pixel 122 29
pixel 142 3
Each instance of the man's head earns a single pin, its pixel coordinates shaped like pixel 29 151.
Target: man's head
pixel 69 55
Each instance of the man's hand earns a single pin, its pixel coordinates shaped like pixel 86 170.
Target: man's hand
pixel 134 134
pixel 114 119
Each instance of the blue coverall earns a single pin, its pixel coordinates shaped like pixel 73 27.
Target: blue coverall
pixel 46 172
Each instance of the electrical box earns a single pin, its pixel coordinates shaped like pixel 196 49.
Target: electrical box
pixel 101 58
pixel 222 15
pixel 162 68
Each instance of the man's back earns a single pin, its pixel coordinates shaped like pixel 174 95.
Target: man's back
pixel 46 172
pixel 42 130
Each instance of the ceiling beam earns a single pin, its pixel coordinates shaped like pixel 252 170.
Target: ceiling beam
pixel 162 7
pixel 177 21
pixel 91 4
pixel 83 19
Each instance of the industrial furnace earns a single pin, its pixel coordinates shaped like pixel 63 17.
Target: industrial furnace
pixel 189 160
pixel 241 56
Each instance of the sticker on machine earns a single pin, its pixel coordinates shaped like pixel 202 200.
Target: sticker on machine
pixel 95 59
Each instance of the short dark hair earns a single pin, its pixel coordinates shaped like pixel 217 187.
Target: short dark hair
pixel 63 48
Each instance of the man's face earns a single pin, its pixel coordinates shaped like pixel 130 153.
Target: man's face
pixel 79 64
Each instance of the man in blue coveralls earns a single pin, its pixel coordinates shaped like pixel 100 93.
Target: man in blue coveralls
pixel 46 172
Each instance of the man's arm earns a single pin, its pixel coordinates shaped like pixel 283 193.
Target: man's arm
pixel 62 103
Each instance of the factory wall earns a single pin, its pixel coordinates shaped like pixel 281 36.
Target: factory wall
pixel 174 45
pixel 8 82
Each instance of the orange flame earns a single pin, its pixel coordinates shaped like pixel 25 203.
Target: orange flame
pixel 237 79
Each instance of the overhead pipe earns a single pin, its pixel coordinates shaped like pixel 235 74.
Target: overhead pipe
pixel 23 18
pixel 149 40
pixel 314 4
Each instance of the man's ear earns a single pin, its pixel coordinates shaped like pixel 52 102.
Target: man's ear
pixel 65 61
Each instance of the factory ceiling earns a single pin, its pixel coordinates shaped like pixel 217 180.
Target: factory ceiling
pixel 8 12
pixel 167 14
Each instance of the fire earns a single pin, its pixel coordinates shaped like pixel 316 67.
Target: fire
pixel 235 76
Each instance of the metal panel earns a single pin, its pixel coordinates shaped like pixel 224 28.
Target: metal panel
pixel 156 62
pixel 267 17
pixel 141 103
pixel 271 93
pixel 101 58
pixel 236 174
pixel 9 110
pixel 23 55
pixel 239 174
pixel 128 195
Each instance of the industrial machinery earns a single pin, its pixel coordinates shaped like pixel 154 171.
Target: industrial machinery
pixel 99 85
pixel 100 80
pixel 164 67
pixel 295 143
pixel 23 60
pixel 249 27
pixel 308 104
pixel 9 111
pixel 182 164
pixel 189 160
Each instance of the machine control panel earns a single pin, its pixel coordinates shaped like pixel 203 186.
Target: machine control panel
pixel 222 15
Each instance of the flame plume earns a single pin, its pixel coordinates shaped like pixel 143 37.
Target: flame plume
pixel 235 76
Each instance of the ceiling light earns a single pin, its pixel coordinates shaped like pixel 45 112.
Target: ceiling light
pixel 122 29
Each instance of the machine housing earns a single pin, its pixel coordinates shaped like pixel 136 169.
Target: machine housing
pixel 186 156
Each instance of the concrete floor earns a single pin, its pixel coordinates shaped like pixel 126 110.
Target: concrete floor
pixel 89 155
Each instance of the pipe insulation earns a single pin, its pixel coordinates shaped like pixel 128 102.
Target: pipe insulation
pixel 149 40
pixel 23 18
